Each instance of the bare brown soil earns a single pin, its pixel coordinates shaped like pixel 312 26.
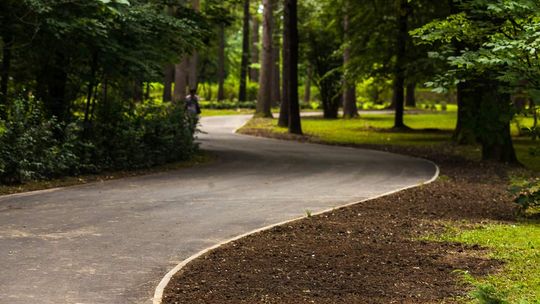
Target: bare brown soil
pixel 368 253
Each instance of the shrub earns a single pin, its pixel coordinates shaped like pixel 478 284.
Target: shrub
pixel 34 147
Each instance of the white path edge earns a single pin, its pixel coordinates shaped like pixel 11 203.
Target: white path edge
pixel 158 294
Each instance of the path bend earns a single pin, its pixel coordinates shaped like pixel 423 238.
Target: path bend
pixel 112 242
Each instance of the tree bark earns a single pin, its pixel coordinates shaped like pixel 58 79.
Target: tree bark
pixel 193 80
pixel 411 95
pixel 180 81
pixel 307 86
pixel 493 123
pixel 168 79
pixel 399 74
pixel 291 31
pixel 283 120
pixel 276 78
pixel 467 100
pixel 350 109
pixel 254 72
pixel 221 64
pixel 242 95
pixel 264 99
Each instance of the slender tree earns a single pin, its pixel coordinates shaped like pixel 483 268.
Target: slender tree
pixel 307 85
pixel 401 60
pixel 283 120
pixel 221 64
pixel 255 26
pixel 242 95
pixel 291 32
pixel 264 99
pixel 350 109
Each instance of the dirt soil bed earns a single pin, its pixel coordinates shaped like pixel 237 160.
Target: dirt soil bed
pixel 368 253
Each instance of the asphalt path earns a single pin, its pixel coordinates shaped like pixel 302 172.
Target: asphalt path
pixel 112 242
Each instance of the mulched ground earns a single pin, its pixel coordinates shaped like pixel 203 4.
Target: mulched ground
pixel 368 253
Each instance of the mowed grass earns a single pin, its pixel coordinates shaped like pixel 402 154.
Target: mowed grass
pixel 518 245
pixel 428 129
pixel 213 112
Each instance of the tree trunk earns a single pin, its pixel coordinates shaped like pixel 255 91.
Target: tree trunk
pixel 283 120
pixel 276 78
pixel 411 95
pixel 91 85
pixel 193 81
pixel 253 71
pixel 307 86
pixel 221 64
pixel 493 123
pixel 399 74
pixel 467 100
pixel 291 31
pixel 4 74
pixel 264 99
pixel 242 95
pixel 168 79
pixel 350 109
pixel 180 81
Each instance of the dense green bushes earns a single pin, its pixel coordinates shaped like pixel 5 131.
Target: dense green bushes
pixel 34 147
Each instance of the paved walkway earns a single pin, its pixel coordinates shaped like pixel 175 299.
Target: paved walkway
pixel 112 242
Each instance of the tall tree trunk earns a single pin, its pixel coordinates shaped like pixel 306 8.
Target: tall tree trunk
pixel 411 95
pixel 276 78
pixel 399 74
pixel 254 71
pixel 264 98
pixel 221 64
pixel 350 109
pixel 180 80
pixel 283 120
pixel 307 85
pixel 4 74
pixel 291 31
pixel 242 95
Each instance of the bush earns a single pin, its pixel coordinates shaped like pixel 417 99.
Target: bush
pixel 151 134
pixel 34 147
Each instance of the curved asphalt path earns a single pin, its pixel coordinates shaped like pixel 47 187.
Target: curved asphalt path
pixel 112 242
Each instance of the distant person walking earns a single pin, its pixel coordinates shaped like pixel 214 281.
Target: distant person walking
pixel 192 104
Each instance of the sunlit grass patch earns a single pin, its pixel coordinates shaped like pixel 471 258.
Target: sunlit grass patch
pixel 518 245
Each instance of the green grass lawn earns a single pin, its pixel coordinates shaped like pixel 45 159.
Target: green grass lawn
pixel 213 112
pixel 430 128
pixel 519 246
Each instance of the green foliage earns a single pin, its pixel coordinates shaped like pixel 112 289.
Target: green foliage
pixel 526 192
pixel 31 147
